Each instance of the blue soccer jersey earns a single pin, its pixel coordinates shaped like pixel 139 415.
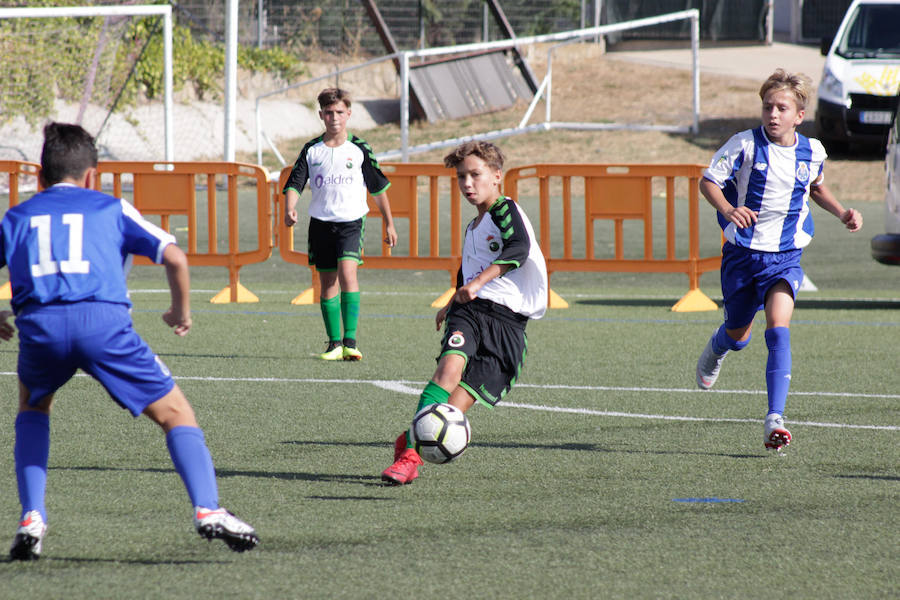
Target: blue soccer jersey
pixel 773 181
pixel 69 244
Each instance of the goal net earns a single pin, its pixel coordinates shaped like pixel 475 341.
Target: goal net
pixel 77 65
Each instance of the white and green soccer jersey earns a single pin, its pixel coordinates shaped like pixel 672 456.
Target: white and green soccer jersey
pixel 504 236
pixel 338 178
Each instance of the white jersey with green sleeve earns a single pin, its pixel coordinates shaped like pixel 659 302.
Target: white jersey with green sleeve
pixel 338 177
pixel 504 236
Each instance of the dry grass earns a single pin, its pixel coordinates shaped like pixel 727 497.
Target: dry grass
pixel 591 86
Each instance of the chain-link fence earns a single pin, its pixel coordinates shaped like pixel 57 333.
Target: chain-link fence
pixel 344 26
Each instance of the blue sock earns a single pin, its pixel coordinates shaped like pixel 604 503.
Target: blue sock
pixel 31 452
pixel 778 367
pixel 191 458
pixel 722 342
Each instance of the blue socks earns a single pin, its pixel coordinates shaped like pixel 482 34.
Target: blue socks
pixel 191 458
pixel 778 367
pixel 722 342
pixel 32 451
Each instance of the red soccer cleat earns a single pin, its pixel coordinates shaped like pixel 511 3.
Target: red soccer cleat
pixel 406 462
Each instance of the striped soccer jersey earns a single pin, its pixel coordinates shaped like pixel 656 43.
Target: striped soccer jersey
pixel 772 180
pixel 70 244
pixel 338 178
pixel 504 236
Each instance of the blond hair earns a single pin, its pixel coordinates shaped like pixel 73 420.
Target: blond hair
pixel 798 84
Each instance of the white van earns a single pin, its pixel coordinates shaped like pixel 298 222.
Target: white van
pixel 858 91
pixel 886 247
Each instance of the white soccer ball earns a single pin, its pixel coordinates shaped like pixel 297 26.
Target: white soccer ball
pixel 440 433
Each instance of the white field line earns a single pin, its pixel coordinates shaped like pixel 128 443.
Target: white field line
pixel 413 388
pixel 431 293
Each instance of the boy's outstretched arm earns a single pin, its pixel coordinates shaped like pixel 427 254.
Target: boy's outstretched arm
pixel 178 274
pixel 822 196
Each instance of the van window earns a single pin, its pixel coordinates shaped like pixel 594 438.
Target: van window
pixel 873 33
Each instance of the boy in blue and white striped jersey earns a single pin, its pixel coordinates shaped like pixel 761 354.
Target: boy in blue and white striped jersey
pixel 760 182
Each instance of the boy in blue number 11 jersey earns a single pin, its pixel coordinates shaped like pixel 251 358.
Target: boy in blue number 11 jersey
pixel 760 182
pixel 66 249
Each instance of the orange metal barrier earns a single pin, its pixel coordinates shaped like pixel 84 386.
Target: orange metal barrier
pixel 404 199
pixel 20 176
pixel 611 192
pixel 619 193
pixel 169 189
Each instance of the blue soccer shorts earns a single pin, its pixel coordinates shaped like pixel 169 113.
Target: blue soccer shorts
pixel 96 337
pixel 748 275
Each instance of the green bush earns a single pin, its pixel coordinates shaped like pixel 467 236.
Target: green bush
pixel 43 61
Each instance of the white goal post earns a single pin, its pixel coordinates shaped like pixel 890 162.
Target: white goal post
pixel 543 92
pixel 107 11
pixel 545 87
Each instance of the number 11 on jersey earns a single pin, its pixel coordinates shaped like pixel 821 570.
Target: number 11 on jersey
pixel 74 263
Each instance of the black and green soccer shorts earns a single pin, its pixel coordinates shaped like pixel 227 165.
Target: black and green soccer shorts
pixel 492 339
pixel 331 241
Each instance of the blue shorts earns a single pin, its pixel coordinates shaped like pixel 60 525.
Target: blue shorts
pixel 748 275
pixel 96 337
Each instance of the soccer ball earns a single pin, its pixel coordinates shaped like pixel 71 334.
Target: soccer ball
pixel 440 432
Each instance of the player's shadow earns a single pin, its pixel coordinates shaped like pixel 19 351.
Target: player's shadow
pixel 573 447
pixel 644 302
pixel 872 477
pixel 847 304
pixel 223 473
pixel 583 447
pixel 128 561
pixel 221 356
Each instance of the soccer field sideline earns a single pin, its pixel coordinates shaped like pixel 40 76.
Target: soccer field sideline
pixel 405 387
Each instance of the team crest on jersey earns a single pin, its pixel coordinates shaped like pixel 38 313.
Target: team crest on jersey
pixel 493 244
pixel 803 172
pixel 457 339
pixel 349 164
